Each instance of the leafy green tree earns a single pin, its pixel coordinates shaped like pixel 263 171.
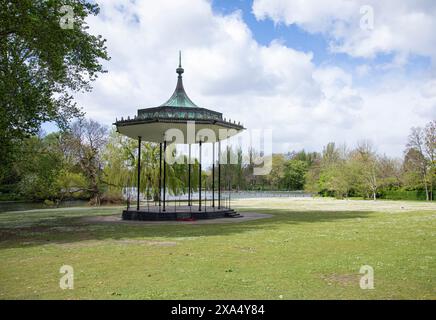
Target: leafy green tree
pixel 40 164
pixel 69 184
pixel 45 172
pixel 43 60
pixel 120 160
pixel 311 179
pixel 330 154
pixel 277 174
pixel 307 157
pixel 294 174
pixel 329 173
pixel 120 167
pixel 411 175
pixel 232 172
pixel 240 181
pixel 368 172
pixel 334 180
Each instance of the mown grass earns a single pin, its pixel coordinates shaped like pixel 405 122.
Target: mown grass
pixel 309 249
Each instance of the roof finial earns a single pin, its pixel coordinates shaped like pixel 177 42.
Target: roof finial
pixel 180 70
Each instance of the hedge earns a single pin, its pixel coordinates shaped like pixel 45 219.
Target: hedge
pixel 404 195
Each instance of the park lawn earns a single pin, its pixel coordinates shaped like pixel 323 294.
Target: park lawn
pixel 309 249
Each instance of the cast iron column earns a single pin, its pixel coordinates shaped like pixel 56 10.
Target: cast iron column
pixel 219 174
pixel 165 173
pixel 189 176
pixel 199 179
pixel 139 173
pixel 160 172
pixel 213 175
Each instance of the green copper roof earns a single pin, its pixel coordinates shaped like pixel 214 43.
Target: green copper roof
pixel 179 97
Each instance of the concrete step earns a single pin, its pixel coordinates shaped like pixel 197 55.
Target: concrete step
pixel 232 214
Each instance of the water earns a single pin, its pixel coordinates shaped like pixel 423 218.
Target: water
pixel 243 195
pixel 24 205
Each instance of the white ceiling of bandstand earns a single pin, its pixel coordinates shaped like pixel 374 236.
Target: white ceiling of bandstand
pixel 177 132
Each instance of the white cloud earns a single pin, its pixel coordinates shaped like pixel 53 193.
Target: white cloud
pixel 400 27
pixel 227 70
pixel 363 70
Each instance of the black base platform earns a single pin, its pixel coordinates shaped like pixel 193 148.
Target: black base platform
pixel 156 213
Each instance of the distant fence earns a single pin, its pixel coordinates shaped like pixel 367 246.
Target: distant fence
pixel 269 194
pixel 242 195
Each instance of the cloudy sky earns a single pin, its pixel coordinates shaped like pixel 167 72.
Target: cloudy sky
pixel 312 71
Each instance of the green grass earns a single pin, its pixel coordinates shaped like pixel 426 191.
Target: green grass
pixel 309 249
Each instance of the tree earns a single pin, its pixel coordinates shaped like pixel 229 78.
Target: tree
pixel 390 173
pixel 239 168
pixel 430 152
pixel 331 178
pixel 420 155
pixel 294 174
pixel 41 65
pixel 335 180
pixel 44 172
pixel 85 143
pixel 330 154
pixel 367 162
pixel 120 167
pixel 39 166
pixel 275 177
pixel 120 161
pixel 308 157
pixel 311 178
pixel 329 173
pixel 68 184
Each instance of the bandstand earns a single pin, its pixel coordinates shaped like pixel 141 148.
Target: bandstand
pixel 180 121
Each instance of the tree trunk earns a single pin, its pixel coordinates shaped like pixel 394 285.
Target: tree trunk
pixel 426 191
pixel 426 185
